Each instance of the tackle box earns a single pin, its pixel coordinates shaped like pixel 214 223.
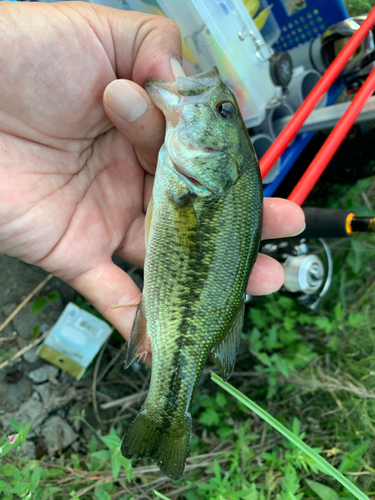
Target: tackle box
pixel 222 33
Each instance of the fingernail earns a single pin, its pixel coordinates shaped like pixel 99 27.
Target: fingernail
pixel 300 231
pixel 125 100
pixel 176 68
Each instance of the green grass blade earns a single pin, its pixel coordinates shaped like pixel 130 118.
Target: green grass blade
pixel 160 495
pixel 323 465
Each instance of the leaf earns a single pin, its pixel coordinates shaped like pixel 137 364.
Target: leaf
pixel 128 468
pixel 281 365
pixel 253 494
pixel 112 441
pixel 339 313
pixel 209 417
pixel 258 318
pixel 290 481
pixel 38 305
pixel 255 342
pixel 324 323
pixel 271 340
pixel 356 319
pixel 93 444
pixel 320 462
pixel 35 478
pixel 190 495
pixel 102 455
pixel 241 494
pixel 323 492
pixel 296 426
pixel 221 399
pixel 8 470
pixel 289 323
pixel 102 495
pixel 217 471
pixel 346 464
pixel 36 331
pixel 20 489
pixel 53 297
pixel 3 485
pixel 116 463
pixel 264 358
pixel 16 426
pixel 24 431
pixel 360 449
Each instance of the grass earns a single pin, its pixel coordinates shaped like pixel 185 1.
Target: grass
pixel 307 375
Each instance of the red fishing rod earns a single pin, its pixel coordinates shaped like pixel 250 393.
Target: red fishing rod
pixel 289 132
pixel 332 143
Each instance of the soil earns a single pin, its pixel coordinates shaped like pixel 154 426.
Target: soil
pixel 33 390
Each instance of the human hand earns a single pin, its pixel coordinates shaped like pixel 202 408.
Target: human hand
pixel 76 172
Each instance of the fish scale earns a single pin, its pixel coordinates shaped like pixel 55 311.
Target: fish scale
pixel 203 229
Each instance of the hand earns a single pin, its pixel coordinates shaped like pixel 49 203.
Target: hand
pixel 76 170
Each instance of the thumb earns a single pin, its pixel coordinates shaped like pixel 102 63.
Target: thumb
pixel 132 112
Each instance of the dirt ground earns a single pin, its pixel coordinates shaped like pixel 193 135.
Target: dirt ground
pixel 34 390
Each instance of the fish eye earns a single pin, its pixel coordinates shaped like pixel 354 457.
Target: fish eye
pixel 226 109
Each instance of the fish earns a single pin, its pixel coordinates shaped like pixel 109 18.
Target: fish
pixel 202 232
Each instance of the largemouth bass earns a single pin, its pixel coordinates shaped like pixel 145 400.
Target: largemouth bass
pixel 203 228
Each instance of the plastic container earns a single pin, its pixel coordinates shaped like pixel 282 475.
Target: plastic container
pixel 270 30
pixel 270 126
pixel 300 87
pixel 261 143
pixel 222 33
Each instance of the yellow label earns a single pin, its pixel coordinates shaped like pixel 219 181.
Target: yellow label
pixel 61 361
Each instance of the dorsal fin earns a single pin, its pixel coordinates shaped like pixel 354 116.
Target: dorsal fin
pixel 138 338
pixel 224 353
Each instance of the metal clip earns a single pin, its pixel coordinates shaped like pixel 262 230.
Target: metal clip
pixel 275 102
pixel 263 51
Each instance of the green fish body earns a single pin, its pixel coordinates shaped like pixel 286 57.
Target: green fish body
pixel 203 227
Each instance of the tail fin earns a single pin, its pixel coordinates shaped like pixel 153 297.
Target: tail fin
pixel 167 446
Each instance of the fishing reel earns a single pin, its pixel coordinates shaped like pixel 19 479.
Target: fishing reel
pixel 361 62
pixel 306 279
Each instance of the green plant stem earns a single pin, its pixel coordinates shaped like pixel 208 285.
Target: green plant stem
pixel 323 465
pixel 160 495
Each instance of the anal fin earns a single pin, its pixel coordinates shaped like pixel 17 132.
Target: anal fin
pixel 138 337
pixel 224 353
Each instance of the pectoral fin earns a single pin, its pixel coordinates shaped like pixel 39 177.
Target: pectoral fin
pixel 138 338
pixel 187 228
pixel 224 353
pixel 148 220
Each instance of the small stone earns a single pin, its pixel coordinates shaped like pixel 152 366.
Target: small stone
pixel 55 429
pixel 75 446
pixel 27 450
pixel 30 411
pixel 44 391
pixel 43 373
pixel 30 355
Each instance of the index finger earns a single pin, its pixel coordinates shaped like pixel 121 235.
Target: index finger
pixel 281 219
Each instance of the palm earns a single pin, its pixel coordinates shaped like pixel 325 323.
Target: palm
pixel 94 189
